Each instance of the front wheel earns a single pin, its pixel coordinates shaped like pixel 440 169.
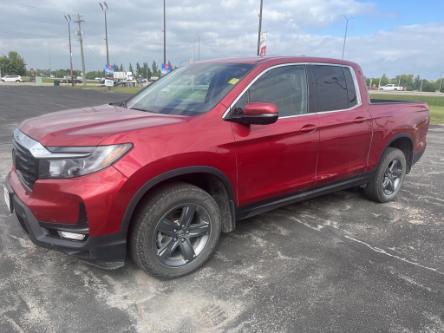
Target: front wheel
pixel 389 176
pixel 176 231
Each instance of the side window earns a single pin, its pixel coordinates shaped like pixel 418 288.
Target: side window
pixel 351 91
pixel 284 86
pixel 331 88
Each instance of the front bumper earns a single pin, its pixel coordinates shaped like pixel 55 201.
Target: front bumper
pixel 104 251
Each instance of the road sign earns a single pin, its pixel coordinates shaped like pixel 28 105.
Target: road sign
pixel 108 69
pixel 166 68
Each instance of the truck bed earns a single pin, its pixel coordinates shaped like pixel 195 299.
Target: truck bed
pixel 392 101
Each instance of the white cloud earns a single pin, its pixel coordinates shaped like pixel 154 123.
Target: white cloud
pixel 225 28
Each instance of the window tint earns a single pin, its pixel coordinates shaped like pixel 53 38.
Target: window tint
pixel 331 88
pixel 351 91
pixel 284 86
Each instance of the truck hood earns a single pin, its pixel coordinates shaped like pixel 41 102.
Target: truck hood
pixel 89 126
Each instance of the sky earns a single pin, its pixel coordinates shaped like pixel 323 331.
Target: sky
pixel 384 36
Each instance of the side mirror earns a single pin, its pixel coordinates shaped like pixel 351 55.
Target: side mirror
pixel 256 113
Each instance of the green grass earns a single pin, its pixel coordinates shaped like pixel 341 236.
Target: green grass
pixel 437 114
pixel 436 103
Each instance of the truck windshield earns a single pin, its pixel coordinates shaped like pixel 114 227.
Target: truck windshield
pixel 190 90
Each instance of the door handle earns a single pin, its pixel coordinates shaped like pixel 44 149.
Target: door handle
pixel 360 119
pixel 308 128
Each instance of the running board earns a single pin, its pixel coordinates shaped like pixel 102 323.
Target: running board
pixel 265 206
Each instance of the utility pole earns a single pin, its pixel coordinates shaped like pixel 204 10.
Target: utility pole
pixel 104 6
pixel 79 21
pixel 164 33
pixel 68 20
pixel 345 35
pixel 260 29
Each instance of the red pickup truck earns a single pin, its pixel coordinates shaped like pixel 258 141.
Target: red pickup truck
pixel 165 172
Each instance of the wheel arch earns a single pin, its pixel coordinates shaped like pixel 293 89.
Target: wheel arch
pixel 209 179
pixel 403 142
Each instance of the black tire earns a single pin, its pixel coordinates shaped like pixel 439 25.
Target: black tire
pixel 165 252
pixel 379 188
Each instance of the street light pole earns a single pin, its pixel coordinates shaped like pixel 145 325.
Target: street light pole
pixel 68 20
pixel 104 6
pixel 164 32
pixel 345 35
pixel 79 21
pixel 259 29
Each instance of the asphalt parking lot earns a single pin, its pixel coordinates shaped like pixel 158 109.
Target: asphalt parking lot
pixel 339 263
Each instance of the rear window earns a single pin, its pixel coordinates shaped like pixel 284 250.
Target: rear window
pixel 331 88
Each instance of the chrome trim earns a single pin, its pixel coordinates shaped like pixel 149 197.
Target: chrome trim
pixel 352 71
pixel 39 151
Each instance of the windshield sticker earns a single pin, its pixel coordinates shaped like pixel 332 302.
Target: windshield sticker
pixel 233 81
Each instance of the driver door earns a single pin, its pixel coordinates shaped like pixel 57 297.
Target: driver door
pixel 277 159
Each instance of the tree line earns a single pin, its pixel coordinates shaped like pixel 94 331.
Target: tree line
pixel 12 63
pixel 140 70
pixel 408 81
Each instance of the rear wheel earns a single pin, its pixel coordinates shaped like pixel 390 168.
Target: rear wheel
pixel 176 231
pixel 389 176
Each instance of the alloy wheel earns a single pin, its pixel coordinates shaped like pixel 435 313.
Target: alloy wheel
pixel 392 177
pixel 181 234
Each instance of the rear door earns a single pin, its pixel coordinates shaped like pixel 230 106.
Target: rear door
pixel 279 158
pixel 344 122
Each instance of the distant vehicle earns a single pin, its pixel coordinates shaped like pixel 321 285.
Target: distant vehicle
pixel 67 79
pixel 127 76
pixel 124 79
pixel 12 78
pixel 142 80
pixel 391 87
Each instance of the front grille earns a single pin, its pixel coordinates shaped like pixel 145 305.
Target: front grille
pixel 26 165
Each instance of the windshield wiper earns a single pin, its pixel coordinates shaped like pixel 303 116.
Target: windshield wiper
pixel 121 103
pixel 141 109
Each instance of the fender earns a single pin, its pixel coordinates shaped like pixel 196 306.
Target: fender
pixel 393 139
pixel 169 175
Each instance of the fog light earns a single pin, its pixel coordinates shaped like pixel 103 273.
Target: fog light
pixel 71 235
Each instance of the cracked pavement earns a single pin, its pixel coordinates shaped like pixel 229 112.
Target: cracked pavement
pixel 338 263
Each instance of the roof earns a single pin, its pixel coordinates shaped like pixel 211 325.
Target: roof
pixel 278 59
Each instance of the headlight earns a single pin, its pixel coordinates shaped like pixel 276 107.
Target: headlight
pixel 81 160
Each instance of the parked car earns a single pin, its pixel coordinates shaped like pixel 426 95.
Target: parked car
pixel 165 172
pixel 12 78
pixel 68 79
pixel 391 87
